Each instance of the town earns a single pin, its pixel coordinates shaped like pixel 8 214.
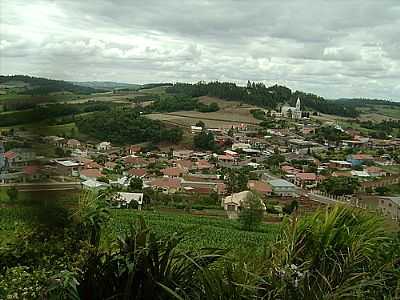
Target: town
pixel 300 164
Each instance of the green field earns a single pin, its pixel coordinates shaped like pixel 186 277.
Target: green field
pixel 197 231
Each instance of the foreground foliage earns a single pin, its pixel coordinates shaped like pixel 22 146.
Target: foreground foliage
pixel 337 253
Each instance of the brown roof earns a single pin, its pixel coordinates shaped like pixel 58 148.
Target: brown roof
pixel 306 176
pixel 138 172
pixel 73 142
pixel 374 169
pixel 184 163
pixel 134 160
pixel 290 169
pixel 166 182
pixel 10 155
pixel 135 148
pixel 174 171
pixel 203 164
pixel 94 173
pixel 92 165
pixel 31 170
pixel 361 156
pixel 259 186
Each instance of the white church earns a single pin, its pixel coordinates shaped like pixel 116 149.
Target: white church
pixel 292 112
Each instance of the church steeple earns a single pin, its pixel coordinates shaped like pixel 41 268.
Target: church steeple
pixel 298 104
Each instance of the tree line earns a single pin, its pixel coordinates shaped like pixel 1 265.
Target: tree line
pixel 258 94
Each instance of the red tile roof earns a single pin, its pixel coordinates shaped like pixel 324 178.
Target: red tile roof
pixel 259 186
pixel 306 176
pixel 137 172
pixel 173 172
pixel 94 173
pixel 166 183
pixel 31 170
pixel 10 155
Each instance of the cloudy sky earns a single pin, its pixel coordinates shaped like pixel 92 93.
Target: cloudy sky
pixel 336 48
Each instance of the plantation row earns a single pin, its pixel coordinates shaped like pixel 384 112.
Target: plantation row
pixel 198 232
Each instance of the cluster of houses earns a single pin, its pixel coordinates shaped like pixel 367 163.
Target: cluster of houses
pixel 97 166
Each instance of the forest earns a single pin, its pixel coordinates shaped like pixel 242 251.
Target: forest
pixel 258 94
pixel 43 86
pixel 126 126
pixel 50 112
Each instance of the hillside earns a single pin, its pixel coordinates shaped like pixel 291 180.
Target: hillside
pixel 107 85
pixel 258 94
pixel 22 84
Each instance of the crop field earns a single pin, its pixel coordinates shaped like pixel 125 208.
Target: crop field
pixel 197 231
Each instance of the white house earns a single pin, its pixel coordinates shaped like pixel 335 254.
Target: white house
pixel 233 203
pixel 103 146
pixel 123 199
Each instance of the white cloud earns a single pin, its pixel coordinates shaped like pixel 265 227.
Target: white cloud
pixel 333 48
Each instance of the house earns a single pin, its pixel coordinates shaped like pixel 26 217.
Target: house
pixel 86 174
pixel 237 146
pixel 103 146
pixel 341 174
pixel 133 149
pixel 93 185
pixel 185 164
pixel 260 187
pixel 31 172
pixel 283 188
pixel 339 164
pixel 306 180
pixel 173 172
pixel 375 171
pixel 232 204
pixel 390 206
pixel 166 185
pixel 19 157
pixel 203 165
pixel 231 153
pixel 135 161
pixel 68 167
pixel 137 172
pixel 359 159
pixel 122 199
pixel 196 129
pixel 182 154
pixel 72 144
pixel 290 170
pixel 360 173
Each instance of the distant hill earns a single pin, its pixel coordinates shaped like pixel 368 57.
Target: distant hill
pixel 365 102
pixel 258 94
pixel 107 85
pixel 42 86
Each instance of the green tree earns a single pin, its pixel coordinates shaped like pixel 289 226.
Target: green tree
pixel 251 212
pixel 136 184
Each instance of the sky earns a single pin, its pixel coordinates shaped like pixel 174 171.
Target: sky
pixel 336 48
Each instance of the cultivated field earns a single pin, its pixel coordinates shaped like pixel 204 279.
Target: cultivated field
pixel 231 113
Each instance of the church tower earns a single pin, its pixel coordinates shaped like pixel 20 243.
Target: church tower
pixel 298 104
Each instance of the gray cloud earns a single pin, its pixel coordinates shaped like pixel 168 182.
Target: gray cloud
pixel 332 48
